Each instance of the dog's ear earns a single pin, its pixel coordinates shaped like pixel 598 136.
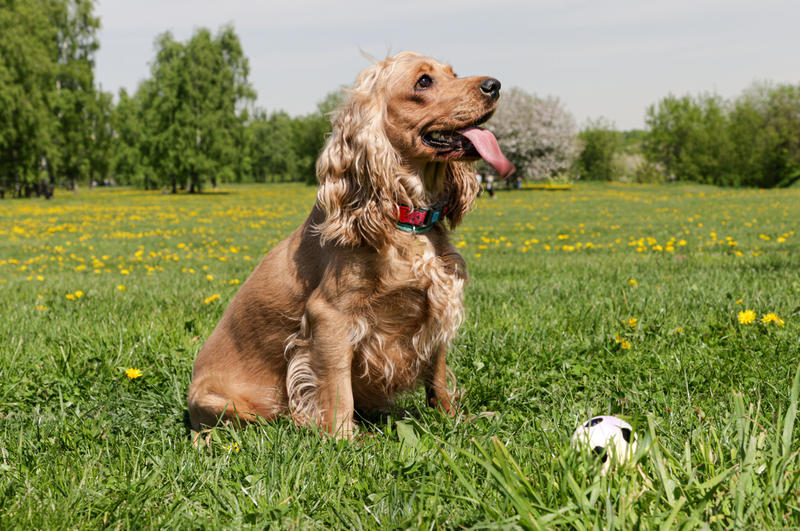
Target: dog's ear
pixel 359 170
pixel 462 189
pixel 356 171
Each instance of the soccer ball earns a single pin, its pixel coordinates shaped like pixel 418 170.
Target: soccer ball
pixel 610 438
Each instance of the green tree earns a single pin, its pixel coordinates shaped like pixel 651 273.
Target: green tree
pixel 765 128
pixel 600 144
pixel 127 163
pixel 51 116
pixel 285 148
pixel 75 105
pixel 189 108
pixel 27 77
pixel 689 137
pixel 310 134
pixel 274 155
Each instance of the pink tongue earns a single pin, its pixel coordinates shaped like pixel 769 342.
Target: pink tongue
pixel 486 144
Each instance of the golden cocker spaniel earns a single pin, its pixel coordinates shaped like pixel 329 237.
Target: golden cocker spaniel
pixel 361 301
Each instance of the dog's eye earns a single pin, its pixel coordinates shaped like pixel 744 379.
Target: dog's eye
pixel 424 82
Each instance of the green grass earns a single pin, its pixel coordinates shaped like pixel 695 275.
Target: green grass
pixel 547 343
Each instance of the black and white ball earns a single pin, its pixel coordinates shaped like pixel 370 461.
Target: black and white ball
pixel 606 436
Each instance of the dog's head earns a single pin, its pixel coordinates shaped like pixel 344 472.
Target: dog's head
pixel 405 136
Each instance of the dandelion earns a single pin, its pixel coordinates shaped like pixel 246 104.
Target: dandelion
pixel 772 318
pixel 133 373
pixel 632 282
pixel 210 277
pixel 233 448
pixel 78 294
pixel 125 272
pixel 120 287
pixel 632 322
pixel 747 317
pixel 211 298
pixel 622 342
pixel 41 307
pixel 739 301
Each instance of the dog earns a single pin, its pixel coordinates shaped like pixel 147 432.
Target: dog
pixel 361 301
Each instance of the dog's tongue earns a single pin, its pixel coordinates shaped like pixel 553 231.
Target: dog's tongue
pixel 486 144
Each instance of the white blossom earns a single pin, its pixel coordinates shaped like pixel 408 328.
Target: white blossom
pixel 536 134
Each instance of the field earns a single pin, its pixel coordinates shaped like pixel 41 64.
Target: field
pixel 674 307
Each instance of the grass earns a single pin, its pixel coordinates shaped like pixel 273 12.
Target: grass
pixel 103 282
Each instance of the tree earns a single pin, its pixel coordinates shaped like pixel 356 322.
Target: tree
pixel 274 156
pixel 765 128
pixel 286 148
pixel 689 137
pixel 189 108
pixel 536 134
pixel 51 115
pixel 310 133
pixel 75 104
pixel 27 77
pixel 600 143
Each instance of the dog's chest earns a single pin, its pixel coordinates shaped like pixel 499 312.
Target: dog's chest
pixel 418 310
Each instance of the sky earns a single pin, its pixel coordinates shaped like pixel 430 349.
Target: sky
pixel 601 58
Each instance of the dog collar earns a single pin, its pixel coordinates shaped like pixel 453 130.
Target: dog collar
pixel 419 219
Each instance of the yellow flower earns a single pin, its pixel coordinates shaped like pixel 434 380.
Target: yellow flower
pixel 632 322
pixel 632 282
pixel 70 296
pixel 125 272
pixel 622 342
pixel 78 294
pixel 747 317
pixel 772 318
pixel 211 298
pixel 233 448
pixel 41 307
pixel 738 301
pixel 210 277
pixel 133 373
pixel 121 287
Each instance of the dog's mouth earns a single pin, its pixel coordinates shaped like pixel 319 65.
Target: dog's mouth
pixel 472 142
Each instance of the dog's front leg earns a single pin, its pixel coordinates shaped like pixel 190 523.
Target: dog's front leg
pixel 436 383
pixel 331 361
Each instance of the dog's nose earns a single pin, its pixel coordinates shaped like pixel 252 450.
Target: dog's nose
pixel 491 87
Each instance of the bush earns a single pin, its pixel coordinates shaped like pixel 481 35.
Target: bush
pixel 752 141
pixel 600 144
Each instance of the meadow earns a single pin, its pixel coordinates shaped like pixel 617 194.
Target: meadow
pixel 676 308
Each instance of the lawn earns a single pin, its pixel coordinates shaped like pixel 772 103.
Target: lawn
pixel 676 308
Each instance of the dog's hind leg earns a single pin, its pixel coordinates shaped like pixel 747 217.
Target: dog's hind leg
pixel 247 403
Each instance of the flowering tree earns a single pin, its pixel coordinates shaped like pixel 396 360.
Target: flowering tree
pixel 536 134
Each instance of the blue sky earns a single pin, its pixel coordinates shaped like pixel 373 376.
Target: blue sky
pixel 600 58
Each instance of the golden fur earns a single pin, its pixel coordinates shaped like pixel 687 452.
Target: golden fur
pixel 349 310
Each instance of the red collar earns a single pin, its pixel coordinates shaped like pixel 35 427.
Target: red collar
pixel 420 219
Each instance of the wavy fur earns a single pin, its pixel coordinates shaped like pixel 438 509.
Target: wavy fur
pixel 349 310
